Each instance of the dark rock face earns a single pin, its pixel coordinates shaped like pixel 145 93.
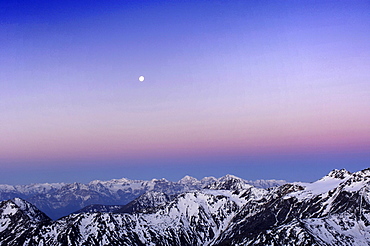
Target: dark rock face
pixel 334 210
pixel 151 199
pixel 18 220
pixel 339 174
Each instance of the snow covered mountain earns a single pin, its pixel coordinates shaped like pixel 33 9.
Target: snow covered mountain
pixel 148 200
pixel 25 191
pixel 61 199
pixel 98 208
pixel 334 210
pixel 265 184
pixel 18 220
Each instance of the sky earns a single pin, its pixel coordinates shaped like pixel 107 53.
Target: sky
pixel 258 89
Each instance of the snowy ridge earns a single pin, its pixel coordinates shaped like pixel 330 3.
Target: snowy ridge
pixel 265 184
pixel 325 212
pixel 334 210
pixel 193 218
pixel 60 199
pixel 148 200
pixel 98 208
pixel 229 182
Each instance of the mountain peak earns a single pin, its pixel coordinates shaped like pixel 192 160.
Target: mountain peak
pixel 229 177
pixel 266 183
pixel 18 205
pixel 229 182
pixel 188 179
pixel 22 204
pixel 208 179
pixel 148 200
pixel 364 172
pixel 339 174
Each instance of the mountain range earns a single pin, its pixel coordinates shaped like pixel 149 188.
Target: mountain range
pixel 334 210
pixel 61 199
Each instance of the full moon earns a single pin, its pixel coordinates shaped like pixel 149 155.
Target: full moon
pixel 141 78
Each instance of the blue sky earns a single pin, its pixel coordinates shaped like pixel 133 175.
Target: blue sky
pixel 262 89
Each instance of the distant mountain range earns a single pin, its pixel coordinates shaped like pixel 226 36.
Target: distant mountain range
pixel 61 199
pixel 334 210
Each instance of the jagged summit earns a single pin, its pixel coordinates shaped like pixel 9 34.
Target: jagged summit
pixel 363 173
pixel 266 183
pixel 149 199
pixel 113 181
pixel 210 179
pixel 357 180
pixel 22 208
pixel 22 204
pixel 229 177
pixel 188 179
pixel 339 174
pixel 229 182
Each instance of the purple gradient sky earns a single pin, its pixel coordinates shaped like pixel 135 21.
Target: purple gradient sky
pixel 259 89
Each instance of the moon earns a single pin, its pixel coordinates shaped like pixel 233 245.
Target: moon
pixel 141 78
